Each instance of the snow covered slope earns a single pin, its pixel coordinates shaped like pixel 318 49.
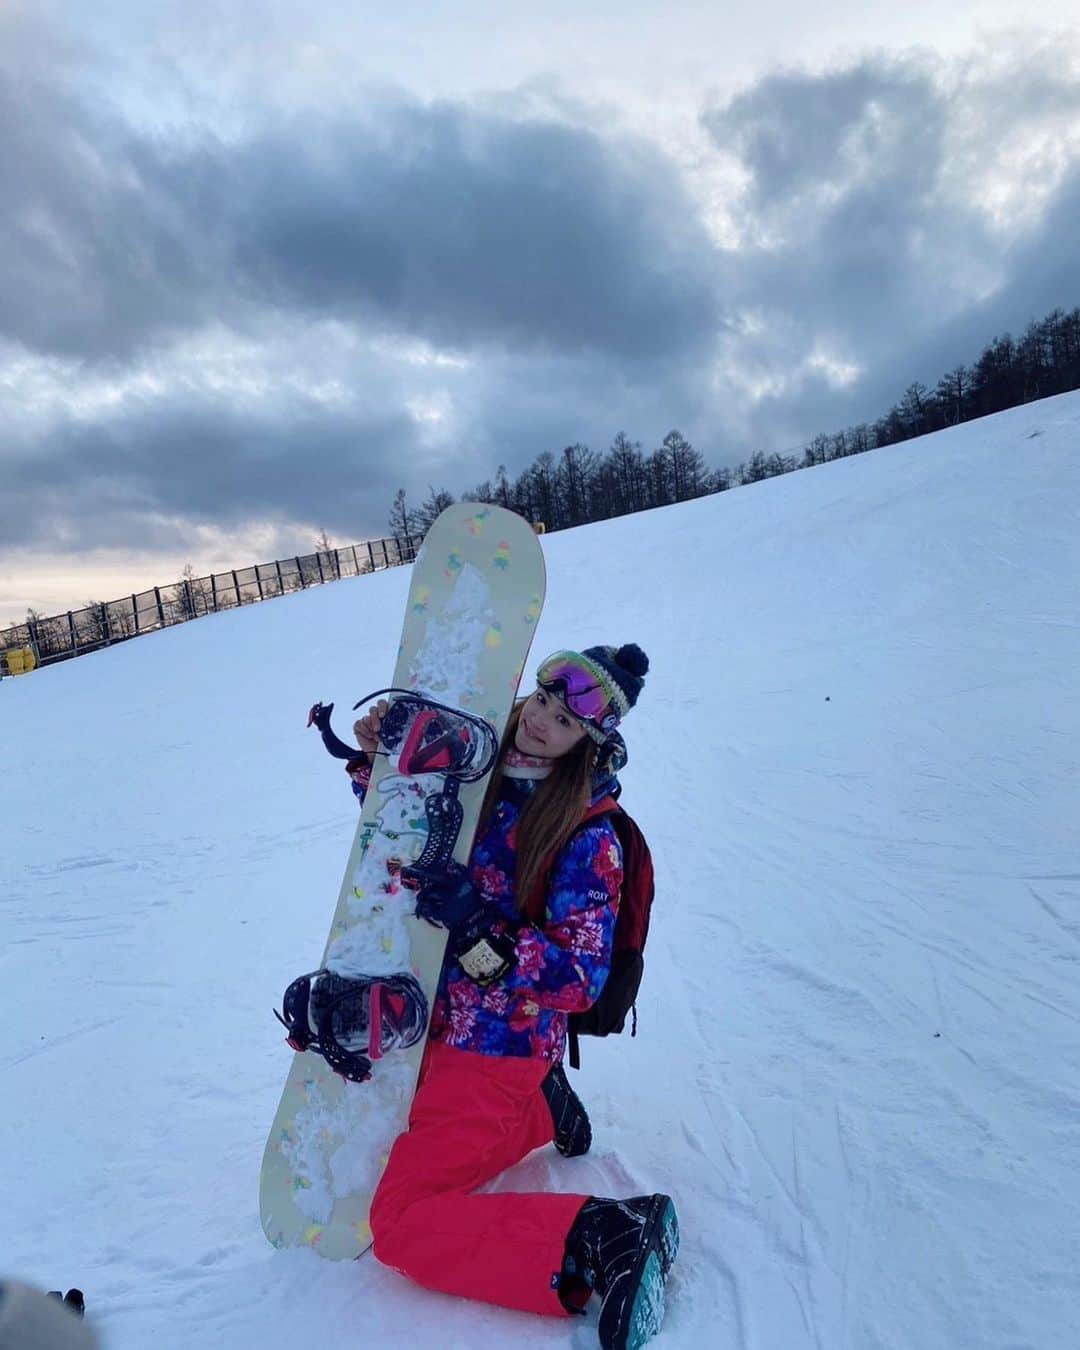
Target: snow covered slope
pixel 858 1066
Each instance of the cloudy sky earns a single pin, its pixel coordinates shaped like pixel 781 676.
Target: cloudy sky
pixel 258 271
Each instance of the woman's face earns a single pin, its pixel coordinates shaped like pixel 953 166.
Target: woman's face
pixel 546 729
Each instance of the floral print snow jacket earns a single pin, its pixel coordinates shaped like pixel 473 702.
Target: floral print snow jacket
pixel 561 964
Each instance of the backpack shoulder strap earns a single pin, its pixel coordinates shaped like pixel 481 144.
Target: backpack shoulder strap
pixel 606 806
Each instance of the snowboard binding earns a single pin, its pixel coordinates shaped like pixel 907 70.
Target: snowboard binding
pixel 429 737
pixel 425 736
pixel 353 1022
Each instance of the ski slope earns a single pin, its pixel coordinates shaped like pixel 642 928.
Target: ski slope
pixel 858 1067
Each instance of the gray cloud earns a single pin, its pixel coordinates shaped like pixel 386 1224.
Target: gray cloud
pixel 466 229
pixel 285 321
pixel 124 477
pixel 511 241
pixel 456 225
pixel 807 139
pixel 866 235
pixel 198 455
pixel 94 260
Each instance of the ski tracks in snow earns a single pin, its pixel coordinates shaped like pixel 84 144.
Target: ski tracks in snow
pixel 790 1259
pixel 57 1042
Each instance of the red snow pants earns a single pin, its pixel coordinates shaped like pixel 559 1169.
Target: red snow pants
pixel 473 1116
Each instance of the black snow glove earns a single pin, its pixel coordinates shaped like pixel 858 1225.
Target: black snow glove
pixel 484 946
pixel 447 897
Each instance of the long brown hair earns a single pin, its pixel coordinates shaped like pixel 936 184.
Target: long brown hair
pixel 551 814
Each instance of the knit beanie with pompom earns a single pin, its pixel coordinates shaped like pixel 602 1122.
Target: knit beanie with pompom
pixel 626 667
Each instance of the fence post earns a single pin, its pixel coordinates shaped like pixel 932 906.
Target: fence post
pixel 371 555
pixel 135 615
pixel 213 590
pixel 258 581
pixel 236 588
pixel 189 599
pixel 300 571
pixel 71 631
pixel 280 578
pixel 385 555
pixel 160 606
pixel 318 564
pixel 106 627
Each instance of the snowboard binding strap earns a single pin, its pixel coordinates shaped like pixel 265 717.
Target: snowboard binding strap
pixel 353 1022
pixel 431 737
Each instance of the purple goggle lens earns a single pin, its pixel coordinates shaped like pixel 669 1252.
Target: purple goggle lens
pixel 581 690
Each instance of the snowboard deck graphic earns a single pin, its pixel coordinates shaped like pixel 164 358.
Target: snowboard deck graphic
pixel 476 593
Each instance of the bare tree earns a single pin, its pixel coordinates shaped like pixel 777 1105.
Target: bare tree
pixel 327 554
pixel 913 409
pixel 425 515
pixel 502 487
pixel 687 467
pixel 721 479
pixel 659 487
pixel 400 516
pixel 576 475
pixel 92 624
pixel 544 492
pixel 951 392
pixel 625 476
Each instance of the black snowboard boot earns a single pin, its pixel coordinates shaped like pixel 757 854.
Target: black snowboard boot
pixel 31 1321
pixel 73 1300
pixel 573 1133
pixel 623 1251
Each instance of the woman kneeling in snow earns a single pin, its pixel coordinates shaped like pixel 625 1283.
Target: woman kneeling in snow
pixel 518 963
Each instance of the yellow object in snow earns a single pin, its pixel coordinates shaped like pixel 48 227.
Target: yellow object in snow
pixel 20 660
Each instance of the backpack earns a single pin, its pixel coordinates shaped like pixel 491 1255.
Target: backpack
pixel 607 1016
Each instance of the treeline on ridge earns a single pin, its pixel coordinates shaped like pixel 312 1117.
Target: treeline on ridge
pixel 579 485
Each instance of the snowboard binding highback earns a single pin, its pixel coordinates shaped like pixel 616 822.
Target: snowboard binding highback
pixel 353 1022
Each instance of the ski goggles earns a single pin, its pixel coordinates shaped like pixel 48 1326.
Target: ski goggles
pixel 584 687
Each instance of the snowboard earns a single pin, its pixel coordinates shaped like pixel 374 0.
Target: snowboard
pixel 476 593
